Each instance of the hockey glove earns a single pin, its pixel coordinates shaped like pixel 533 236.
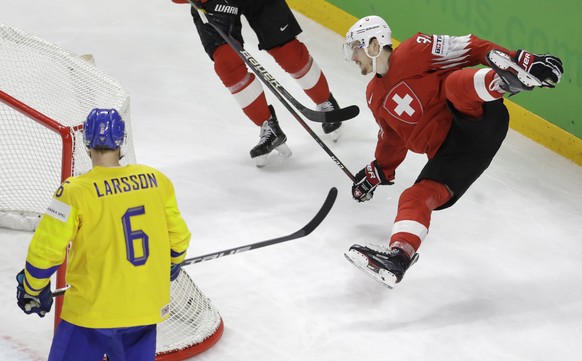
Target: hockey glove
pixel 366 182
pixel 40 304
pixel 224 13
pixel 175 271
pixel 547 68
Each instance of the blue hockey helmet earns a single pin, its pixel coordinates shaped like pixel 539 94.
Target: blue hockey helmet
pixel 104 129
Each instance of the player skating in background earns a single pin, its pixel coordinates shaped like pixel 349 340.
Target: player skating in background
pixel 276 29
pixel 127 239
pixel 427 98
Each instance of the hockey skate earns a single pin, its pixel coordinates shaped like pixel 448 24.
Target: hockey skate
pixel 333 129
pixel 271 138
pixel 385 265
pixel 514 78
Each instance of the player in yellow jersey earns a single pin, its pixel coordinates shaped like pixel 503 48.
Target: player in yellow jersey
pixel 127 239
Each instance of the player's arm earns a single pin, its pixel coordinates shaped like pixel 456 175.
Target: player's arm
pixel 453 52
pixel 46 252
pixel 462 51
pixel 390 152
pixel 478 49
pixel 178 231
pixel 48 247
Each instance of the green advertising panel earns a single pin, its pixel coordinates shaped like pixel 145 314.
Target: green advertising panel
pixel 537 26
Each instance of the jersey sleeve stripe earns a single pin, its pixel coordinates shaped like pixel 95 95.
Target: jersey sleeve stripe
pixel 40 273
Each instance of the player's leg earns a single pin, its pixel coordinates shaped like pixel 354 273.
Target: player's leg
pixel 271 138
pixel 465 154
pixel 388 264
pixel 467 89
pixel 73 343
pixel 130 343
pixel 277 28
pixel 232 71
pixel 515 78
pixel 139 343
pixel 415 208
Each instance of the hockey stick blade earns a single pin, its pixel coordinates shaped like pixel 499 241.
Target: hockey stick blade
pixel 304 231
pixel 334 116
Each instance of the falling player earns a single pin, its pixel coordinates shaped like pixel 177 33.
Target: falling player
pixel 427 98
pixel 127 241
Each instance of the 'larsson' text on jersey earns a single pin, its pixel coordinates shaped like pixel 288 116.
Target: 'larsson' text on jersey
pixel 134 182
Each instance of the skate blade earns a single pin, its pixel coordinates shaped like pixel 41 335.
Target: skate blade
pixel 262 160
pixel 283 151
pixel 503 61
pixel 360 261
pixel 335 135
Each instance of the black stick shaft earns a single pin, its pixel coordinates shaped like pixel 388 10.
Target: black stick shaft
pixel 304 231
pixel 274 87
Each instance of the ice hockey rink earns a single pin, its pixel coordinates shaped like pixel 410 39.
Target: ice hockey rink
pixel 499 275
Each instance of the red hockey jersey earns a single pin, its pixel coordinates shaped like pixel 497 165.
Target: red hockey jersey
pixel 409 102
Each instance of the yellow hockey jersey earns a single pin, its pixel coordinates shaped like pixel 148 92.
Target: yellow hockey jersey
pixel 124 230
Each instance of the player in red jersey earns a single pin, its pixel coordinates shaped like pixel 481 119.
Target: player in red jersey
pixel 276 29
pixel 427 97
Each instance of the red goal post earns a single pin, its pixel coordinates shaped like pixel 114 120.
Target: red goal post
pixel 45 94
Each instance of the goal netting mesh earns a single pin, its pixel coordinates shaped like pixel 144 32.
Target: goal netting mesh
pixel 194 324
pixel 59 89
pixel 46 92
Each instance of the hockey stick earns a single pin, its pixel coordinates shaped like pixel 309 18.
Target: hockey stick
pixel 336 115
pixel 276 88
pixel 304 231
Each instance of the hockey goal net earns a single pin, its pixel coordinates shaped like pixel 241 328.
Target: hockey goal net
pixel 46 93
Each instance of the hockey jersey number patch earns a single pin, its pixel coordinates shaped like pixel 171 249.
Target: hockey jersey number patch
pixel 403 104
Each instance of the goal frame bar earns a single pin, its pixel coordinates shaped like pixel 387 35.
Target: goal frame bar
pixel 68 144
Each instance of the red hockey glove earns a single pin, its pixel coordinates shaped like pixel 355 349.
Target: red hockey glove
pixel 366 182
pixel 547 68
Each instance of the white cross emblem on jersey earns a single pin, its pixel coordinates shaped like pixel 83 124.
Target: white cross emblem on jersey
pixel 403 104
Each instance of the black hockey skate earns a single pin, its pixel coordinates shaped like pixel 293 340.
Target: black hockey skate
pixel 514 78
pixel 271 138
pixel 385 265
pixel 330 128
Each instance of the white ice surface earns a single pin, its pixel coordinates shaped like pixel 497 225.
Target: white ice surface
pixel 499 276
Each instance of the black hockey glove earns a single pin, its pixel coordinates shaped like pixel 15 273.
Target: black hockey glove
pixel 224 13
pixel 40 304
pixel 366 182
pixel 547 68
